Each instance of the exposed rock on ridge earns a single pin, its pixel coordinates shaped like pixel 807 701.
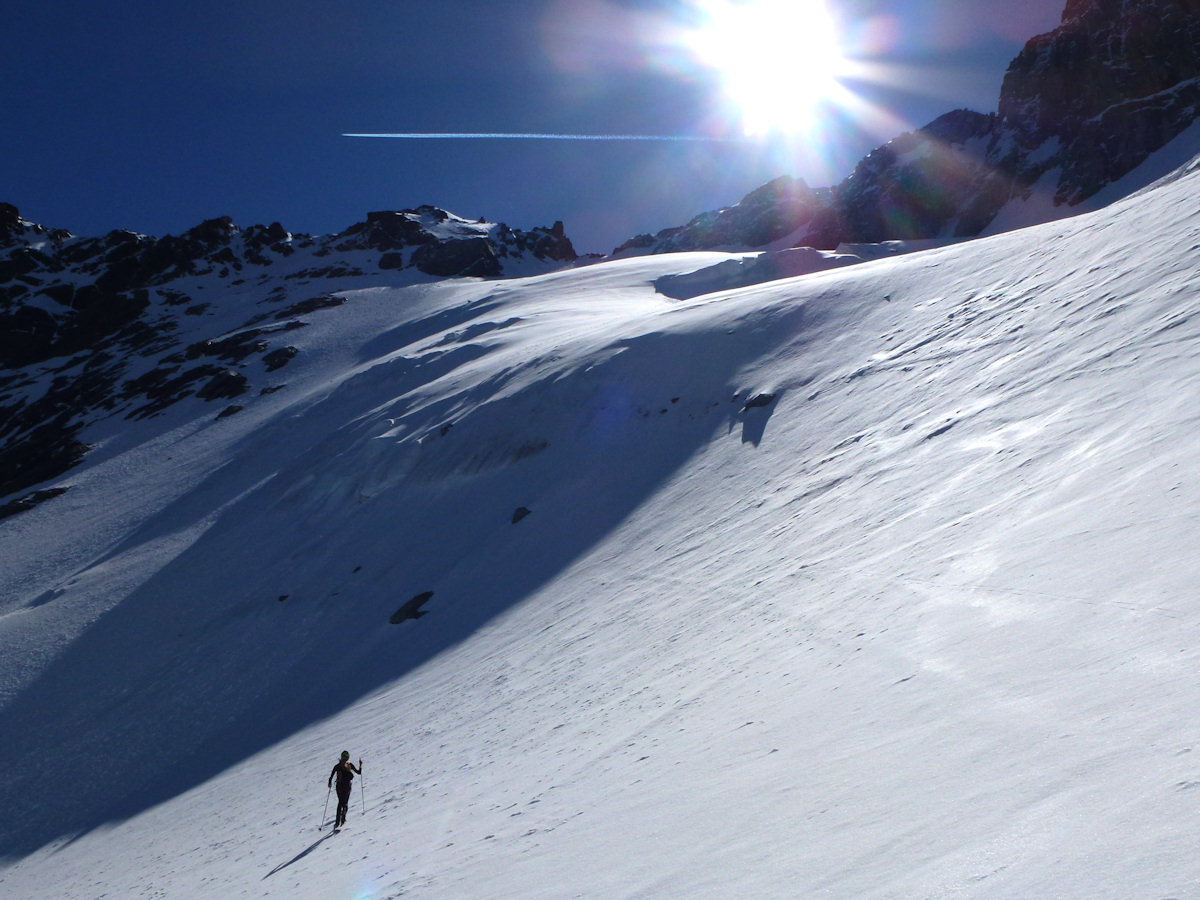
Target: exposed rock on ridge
pixel 115 325
pixel 1080 107
pixel 770 213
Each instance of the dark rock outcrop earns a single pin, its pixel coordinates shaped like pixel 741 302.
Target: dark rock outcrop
pixel 441 244
pixel 26 503
pixel 277 359
pixel 226 384
pixel 935 181
pixel 473 256
pixel 551 243
pixel 390 230
pixel 45 452
pixel 10 222
pixel 769 213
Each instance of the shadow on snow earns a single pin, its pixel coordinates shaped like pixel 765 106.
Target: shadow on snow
pixel 277 617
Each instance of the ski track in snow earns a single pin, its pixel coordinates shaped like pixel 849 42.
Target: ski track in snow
pixel 922 625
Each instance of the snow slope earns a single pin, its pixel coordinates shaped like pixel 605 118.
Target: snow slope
pixel 877 582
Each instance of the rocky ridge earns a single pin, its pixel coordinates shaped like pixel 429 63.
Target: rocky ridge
pixel 1080 107
pixel 127 325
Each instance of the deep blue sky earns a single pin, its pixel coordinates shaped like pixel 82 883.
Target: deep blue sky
pixel 153 115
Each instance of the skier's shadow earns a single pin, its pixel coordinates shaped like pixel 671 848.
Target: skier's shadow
pixel 299 856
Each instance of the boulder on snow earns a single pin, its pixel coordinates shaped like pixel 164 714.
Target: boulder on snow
pixel 759 400
pixel 277 359
pixel 226 384
pixel 411 609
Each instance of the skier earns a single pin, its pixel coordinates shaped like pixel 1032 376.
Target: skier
pixel 345 771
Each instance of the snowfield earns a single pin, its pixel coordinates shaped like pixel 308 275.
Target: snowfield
pixel 878 582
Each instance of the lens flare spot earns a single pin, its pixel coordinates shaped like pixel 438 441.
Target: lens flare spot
pixel 778 59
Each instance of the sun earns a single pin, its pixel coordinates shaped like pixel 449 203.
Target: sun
pixel 778 60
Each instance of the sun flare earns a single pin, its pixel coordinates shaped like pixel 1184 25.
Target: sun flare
pixel 778 59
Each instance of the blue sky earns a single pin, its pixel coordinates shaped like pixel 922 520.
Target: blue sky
pixel 153 116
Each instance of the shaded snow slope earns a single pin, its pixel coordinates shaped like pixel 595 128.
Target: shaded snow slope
pixel 876 582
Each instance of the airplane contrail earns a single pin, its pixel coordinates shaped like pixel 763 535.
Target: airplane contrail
pixel 539 136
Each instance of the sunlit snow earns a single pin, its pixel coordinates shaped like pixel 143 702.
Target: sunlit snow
pixel 873 582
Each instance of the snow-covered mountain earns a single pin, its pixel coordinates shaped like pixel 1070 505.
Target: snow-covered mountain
pixel 1081 108
pixel 127 325
pixel 873 582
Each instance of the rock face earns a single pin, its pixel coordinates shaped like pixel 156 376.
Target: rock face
pixel 1082 105
pixel 1112 84
pixel 770 213
pixel 441 244
pixel 60 294
pixel 79 315
pixel 931 182
pixel 475 256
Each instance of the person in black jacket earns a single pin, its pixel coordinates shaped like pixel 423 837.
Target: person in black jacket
pixel 345 771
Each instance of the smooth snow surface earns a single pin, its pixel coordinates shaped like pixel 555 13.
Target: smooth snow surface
pixel 919 621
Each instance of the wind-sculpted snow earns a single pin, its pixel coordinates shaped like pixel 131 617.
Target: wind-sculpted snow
pixel 755 268
pixel 400 462
pixel 874 582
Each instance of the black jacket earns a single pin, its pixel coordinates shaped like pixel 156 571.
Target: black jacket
pixel 345 774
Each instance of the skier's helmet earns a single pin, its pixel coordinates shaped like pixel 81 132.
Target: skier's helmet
pixel 345 754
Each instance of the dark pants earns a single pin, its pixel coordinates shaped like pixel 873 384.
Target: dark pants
pixel 343 792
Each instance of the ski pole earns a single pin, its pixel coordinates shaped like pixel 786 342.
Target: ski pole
pixel 362 787
pixel 325 810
